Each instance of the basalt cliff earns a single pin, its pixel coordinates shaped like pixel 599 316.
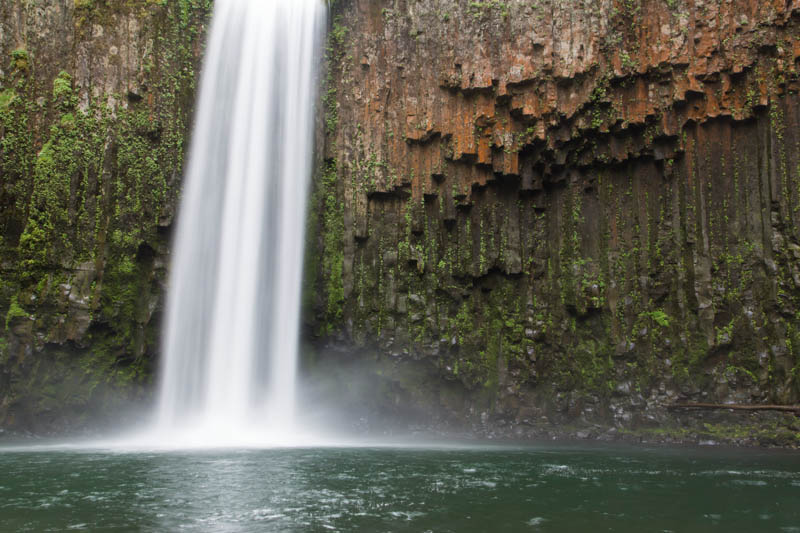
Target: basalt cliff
pixel 531 218
pixel 95 103
pixel 549 214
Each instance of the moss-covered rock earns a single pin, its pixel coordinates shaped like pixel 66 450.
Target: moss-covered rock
pixel 585 224
pixel 94 114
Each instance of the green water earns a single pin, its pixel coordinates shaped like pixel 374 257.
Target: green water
pixel 401 489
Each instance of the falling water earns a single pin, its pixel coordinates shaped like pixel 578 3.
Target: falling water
pixel 234 299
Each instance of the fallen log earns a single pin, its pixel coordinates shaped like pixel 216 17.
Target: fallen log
pixel 737 407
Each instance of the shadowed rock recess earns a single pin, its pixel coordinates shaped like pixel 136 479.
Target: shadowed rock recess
pixel 95 97
pixel 559 217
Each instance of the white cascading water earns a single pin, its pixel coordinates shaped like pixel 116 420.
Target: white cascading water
pixel 233 306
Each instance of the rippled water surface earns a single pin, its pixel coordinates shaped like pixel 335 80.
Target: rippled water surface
pixel 401 489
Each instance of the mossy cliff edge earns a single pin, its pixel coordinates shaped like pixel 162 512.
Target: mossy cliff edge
pixel 547 214
pixel 95 102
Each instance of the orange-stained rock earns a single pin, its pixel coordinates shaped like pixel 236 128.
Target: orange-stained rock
pixel 588 192
pixel 499 71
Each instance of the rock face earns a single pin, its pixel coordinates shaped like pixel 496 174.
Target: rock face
pixel 531 217
pixel 564 212
pixel 95 97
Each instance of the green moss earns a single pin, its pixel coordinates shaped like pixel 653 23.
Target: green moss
pixel 480 8
pixel 660 433
pixel 58 229
pixel 488 330
pixel 16 159
pixel 20 60
pixel 14 311
pixel 334 52
pixel 3 351
pixel 772 433
pixel 6 97
pixel 62 88
pixel 659 317
pixel 95 193
pixel 333 248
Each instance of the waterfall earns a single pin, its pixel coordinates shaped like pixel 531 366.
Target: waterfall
pixel 233 304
